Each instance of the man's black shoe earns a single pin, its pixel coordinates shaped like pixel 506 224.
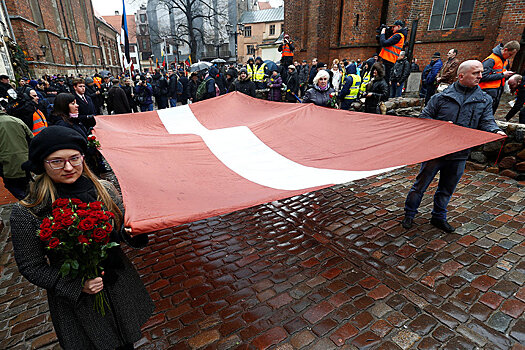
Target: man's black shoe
pixel 407 222
pixel 442 225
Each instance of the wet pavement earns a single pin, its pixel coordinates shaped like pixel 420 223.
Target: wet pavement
pixel 329 269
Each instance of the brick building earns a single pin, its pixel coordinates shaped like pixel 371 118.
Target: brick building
pixel 330 29
pixel 57 36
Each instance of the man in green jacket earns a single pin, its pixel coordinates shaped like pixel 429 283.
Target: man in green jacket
pixel 14 141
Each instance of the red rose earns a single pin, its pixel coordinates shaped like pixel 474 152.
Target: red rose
pixel 82 206
pixel 57 226
pixel 83 239
pixel 108 228
pixel 86 224
pixel 54 242
pixel 46 223
pixel 68 221
pixel 76 201
pixel 45 234
pixel 99 235
pixel 92 137
pixel 82 213
pixel 110 214
pixel 95 205
pixel 67 212
pixel 61 202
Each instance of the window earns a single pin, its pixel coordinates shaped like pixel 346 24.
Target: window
pixel 143 18
pixel 272 29
pixel 144 44
pixel 248 31
pixel 250 49
pixel 450 14
pixel 143 30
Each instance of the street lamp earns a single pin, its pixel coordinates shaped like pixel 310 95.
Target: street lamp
pixel 231 31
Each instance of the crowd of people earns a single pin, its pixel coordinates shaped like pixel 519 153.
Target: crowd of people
pixel 45 137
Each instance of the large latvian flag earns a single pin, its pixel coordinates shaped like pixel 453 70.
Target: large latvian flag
pixel 231 152
pixel 124 39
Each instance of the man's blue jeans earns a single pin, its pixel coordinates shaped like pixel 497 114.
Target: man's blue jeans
pixel 173 102
pixel 450 172
pixel 396 91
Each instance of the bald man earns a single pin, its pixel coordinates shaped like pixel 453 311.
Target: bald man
pixel 465 104
pixel 516 84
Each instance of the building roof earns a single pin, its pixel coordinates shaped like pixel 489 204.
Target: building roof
pixel 262 16
pixel 116 22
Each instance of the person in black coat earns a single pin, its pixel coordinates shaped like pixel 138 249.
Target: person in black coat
pixel 193 85
pixel 184 96
pixel 129 89
pixel 377 90
pixel 71 299
pixel 173 83
pixel 292 85
pixel 160 89
pixel 244 84
pixel 86 107
pixel 117 100
pixel 95 94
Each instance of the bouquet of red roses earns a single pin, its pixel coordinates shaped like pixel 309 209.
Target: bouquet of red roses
pixel 78 235
pixel 92 141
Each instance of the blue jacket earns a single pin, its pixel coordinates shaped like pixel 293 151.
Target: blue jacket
pixel 436 67
pixel 147 92
pixel 470 108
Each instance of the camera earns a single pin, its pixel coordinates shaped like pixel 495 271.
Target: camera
pixel 388 33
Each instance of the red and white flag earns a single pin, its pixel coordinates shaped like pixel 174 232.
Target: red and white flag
pixel 191 162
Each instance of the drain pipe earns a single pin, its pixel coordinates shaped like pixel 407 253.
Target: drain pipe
pixel 4 7
pixel 412 41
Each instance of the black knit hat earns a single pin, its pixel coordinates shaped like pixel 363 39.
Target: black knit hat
pixel 49 140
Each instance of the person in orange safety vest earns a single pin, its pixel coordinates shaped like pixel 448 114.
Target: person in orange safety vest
pixel 286 49
pixel 391 47
pixel 495 71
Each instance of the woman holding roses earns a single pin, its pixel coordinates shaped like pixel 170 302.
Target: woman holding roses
pixel 56 156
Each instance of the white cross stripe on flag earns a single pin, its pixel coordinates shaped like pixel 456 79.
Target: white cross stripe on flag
pixel 231 152
pixel 245 154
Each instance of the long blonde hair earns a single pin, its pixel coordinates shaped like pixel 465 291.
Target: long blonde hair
pixel 43 187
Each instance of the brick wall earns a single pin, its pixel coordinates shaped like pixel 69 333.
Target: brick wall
pixel 74 19
pixel 315 27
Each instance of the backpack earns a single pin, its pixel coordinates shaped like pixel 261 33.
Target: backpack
pixel 201 90
pixel 180 87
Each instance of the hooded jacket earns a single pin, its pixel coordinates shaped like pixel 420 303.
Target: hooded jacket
pixel 378 88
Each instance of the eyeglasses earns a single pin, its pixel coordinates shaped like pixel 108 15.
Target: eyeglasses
pixel 57 164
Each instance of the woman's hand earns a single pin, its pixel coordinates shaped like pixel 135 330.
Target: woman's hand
pixel 93 286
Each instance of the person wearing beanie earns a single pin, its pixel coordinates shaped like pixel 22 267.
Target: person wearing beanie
pixel 56 156
pixel 244 84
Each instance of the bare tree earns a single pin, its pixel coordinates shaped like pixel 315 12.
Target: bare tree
pixel 195 15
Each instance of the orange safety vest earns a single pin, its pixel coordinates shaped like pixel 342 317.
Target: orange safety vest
pixel 97 81
pixel 287 51
pixel 499 67
pixel 391 53
pixel 39 122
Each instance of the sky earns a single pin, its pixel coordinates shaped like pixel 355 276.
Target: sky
pixel 108 7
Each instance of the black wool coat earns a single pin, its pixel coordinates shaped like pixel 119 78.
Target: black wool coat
pixel 76 324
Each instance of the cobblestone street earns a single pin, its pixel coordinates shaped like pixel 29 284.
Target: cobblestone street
pixel 329 269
